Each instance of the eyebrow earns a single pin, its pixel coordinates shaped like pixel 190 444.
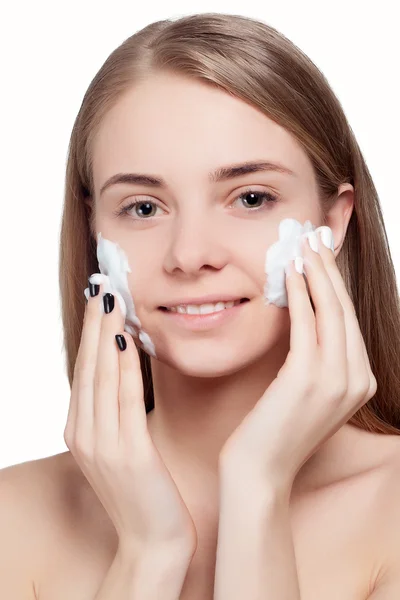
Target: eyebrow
pixel 220 174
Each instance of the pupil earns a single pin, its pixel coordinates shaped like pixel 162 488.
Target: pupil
pixel 148 205
pixel 253 194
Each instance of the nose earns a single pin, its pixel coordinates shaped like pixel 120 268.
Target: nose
pixel 195 243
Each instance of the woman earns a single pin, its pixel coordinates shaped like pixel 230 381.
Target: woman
pixel 254 455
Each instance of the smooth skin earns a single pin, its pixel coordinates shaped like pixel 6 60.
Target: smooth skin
pixel 198 237
pixel 106 432
pixel 325 379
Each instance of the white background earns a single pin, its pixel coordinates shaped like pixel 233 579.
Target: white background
pixel 49 53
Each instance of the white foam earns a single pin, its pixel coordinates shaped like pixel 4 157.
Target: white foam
pixel 279 255
pixel 114 266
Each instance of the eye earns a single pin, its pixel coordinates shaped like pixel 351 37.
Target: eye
pixel 124 210
pixel 249 195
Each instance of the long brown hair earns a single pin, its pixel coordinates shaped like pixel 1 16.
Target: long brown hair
pixel 254 62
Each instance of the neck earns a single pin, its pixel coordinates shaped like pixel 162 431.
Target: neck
pixel 194 416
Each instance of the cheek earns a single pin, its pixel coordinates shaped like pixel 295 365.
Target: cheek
pixel 142 284
pixel 273 330
pixel 251 260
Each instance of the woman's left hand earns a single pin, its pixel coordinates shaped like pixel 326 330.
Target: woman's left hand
pixel 325 379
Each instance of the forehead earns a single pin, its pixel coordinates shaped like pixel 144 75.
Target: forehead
pixel 169 124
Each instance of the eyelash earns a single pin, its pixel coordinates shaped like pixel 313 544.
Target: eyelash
pixel 270 199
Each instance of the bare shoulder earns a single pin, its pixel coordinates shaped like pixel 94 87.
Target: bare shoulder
pixel 30 500
pixel 387 527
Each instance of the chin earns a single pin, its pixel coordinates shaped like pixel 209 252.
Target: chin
pixel 210 359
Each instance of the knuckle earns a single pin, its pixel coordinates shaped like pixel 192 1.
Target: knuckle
pixel 68 437
pixel 373 386
pixel 361 388
pixel 86 365
pixel 82 449
pixel 100 378
pixel 83 374
pixel 337 391
pixel 93 314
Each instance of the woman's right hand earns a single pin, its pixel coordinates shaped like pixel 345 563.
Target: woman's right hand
pixel 107 434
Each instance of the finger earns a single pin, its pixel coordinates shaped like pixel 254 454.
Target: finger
pixel 106 381
pixel 373 384
pixel 70 425
pixel 359 369
pixel 132 410
pixel 72 409
pixel 85 370
pixel 303 336
pixel 330 322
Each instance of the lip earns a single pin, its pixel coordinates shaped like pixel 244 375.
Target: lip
pixel 210 299
pixel 201 322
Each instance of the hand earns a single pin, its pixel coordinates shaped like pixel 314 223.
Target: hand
pixel 107 434
pixel 325 379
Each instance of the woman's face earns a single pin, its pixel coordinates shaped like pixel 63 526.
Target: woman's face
pixel 192 236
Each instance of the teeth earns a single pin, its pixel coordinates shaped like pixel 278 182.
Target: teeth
pixel 202 309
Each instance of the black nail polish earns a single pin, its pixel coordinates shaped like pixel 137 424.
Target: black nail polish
pixel 108 301
pixel 121 341
pixel 93 289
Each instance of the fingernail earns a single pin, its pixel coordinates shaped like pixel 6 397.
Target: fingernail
pixel 327 237
pixel 121 341
pixel 313 241
pixel 93 288
pixel 298 264
pixel 108 301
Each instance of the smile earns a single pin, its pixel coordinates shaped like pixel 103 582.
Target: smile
pixel 221 312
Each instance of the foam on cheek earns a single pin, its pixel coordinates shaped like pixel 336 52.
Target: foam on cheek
pixel 279 255
pixel 114 266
